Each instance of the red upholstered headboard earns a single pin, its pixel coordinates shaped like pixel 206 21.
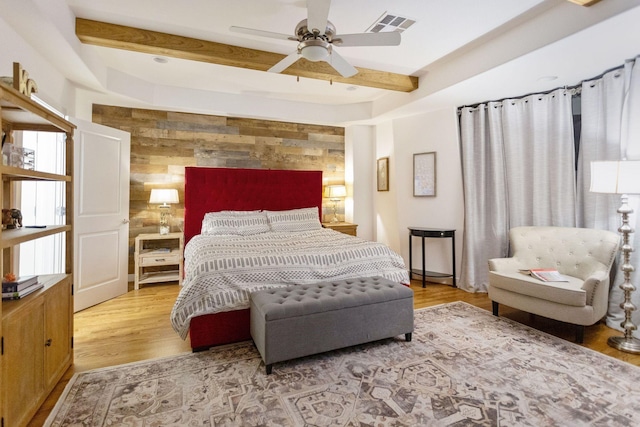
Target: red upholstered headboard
pixel 217 189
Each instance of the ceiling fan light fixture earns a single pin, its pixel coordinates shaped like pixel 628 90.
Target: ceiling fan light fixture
pixel 314 52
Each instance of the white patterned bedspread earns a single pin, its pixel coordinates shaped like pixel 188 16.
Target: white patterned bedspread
pixel 221 271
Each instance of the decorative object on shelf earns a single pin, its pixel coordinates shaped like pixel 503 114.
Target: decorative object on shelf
pixel 424 174
pixel 14 288
pixel 11 219
pixel 21 81
pixel 621 177
pixel 7 80
pixel 19 157
pixel 383 174
pixel 11 283
pixel 335 193
pixel 165 197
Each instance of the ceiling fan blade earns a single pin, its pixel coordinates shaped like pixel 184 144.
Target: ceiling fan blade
pixel 340 64
pixel 260 33
pixel 368 39
pixel 285 63
pixel 317 14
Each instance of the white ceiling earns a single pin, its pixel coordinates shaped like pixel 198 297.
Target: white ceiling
pixel 463 51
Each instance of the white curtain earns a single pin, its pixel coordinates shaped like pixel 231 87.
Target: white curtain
pixel 484 183
pixel 611 131
pixel 518 166
pixel 540 160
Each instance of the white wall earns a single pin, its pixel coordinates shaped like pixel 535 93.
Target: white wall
pixel 398 209
pixel 386 202
pixel 359 161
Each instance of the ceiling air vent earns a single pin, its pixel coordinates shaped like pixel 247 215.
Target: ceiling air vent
pixel 390 22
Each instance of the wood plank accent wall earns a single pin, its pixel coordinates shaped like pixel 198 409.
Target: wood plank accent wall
pixel 163 143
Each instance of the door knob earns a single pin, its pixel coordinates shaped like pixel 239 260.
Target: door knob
pixel 125 221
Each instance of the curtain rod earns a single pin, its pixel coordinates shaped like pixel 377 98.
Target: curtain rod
pixel 576 88
pixel 573 89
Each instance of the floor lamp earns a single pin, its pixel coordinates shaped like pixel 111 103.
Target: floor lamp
pixel 621 177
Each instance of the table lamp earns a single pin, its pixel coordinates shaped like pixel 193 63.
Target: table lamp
pixel 621 177
pixel 165 197
pixel 335 193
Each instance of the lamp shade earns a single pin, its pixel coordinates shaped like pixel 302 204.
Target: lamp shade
pixel 335 191
pixel 164 195
pixel 615 177
pixel 314 53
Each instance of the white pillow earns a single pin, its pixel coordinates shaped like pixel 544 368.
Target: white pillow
pixel 303 219
pixel 241 223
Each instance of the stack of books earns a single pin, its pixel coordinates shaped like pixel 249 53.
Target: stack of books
pixel 20 287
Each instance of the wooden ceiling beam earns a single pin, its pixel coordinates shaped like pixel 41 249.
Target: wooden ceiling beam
pixel 138 40
pixel 584 2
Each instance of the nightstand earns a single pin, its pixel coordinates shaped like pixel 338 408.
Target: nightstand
pixel 343 227
pixel 158 258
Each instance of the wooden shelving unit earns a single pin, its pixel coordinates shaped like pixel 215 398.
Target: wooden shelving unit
pixel 37 330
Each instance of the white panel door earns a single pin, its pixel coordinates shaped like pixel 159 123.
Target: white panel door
pixel 101 213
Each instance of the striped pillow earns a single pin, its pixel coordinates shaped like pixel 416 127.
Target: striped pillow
pixel 303 219
pixel 240 223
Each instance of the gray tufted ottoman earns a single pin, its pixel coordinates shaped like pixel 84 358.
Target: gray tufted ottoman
pixel 301 320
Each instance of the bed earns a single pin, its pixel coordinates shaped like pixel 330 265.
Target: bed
pixel 221 270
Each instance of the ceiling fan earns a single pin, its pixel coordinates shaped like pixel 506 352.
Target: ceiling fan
pixel 316 37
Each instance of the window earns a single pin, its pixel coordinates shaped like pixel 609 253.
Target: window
pixel 42 203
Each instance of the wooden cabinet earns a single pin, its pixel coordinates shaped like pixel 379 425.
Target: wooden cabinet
pixel 158 258
pixel 37 330
pixel 343 227
pixel 37 333
pixel 22 361
pixel 58 319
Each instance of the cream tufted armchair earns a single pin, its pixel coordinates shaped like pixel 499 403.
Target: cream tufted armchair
pixel 584 256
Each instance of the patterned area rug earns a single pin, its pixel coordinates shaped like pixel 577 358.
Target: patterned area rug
pixel 464 367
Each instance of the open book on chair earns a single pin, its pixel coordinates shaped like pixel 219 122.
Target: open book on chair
pixel 545 274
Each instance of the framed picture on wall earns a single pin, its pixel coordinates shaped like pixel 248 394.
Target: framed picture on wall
pixel 424 174
pixel 383 174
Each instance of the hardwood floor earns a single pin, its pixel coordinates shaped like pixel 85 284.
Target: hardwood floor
pixel 136 326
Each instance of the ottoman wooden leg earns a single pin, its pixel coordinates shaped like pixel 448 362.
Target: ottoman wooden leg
pixel 268 368
pixel 407 337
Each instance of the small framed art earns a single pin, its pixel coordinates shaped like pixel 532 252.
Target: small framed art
pixel 424 174
pixel 383 174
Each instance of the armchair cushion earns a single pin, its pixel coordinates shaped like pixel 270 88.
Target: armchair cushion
pixel 569 293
